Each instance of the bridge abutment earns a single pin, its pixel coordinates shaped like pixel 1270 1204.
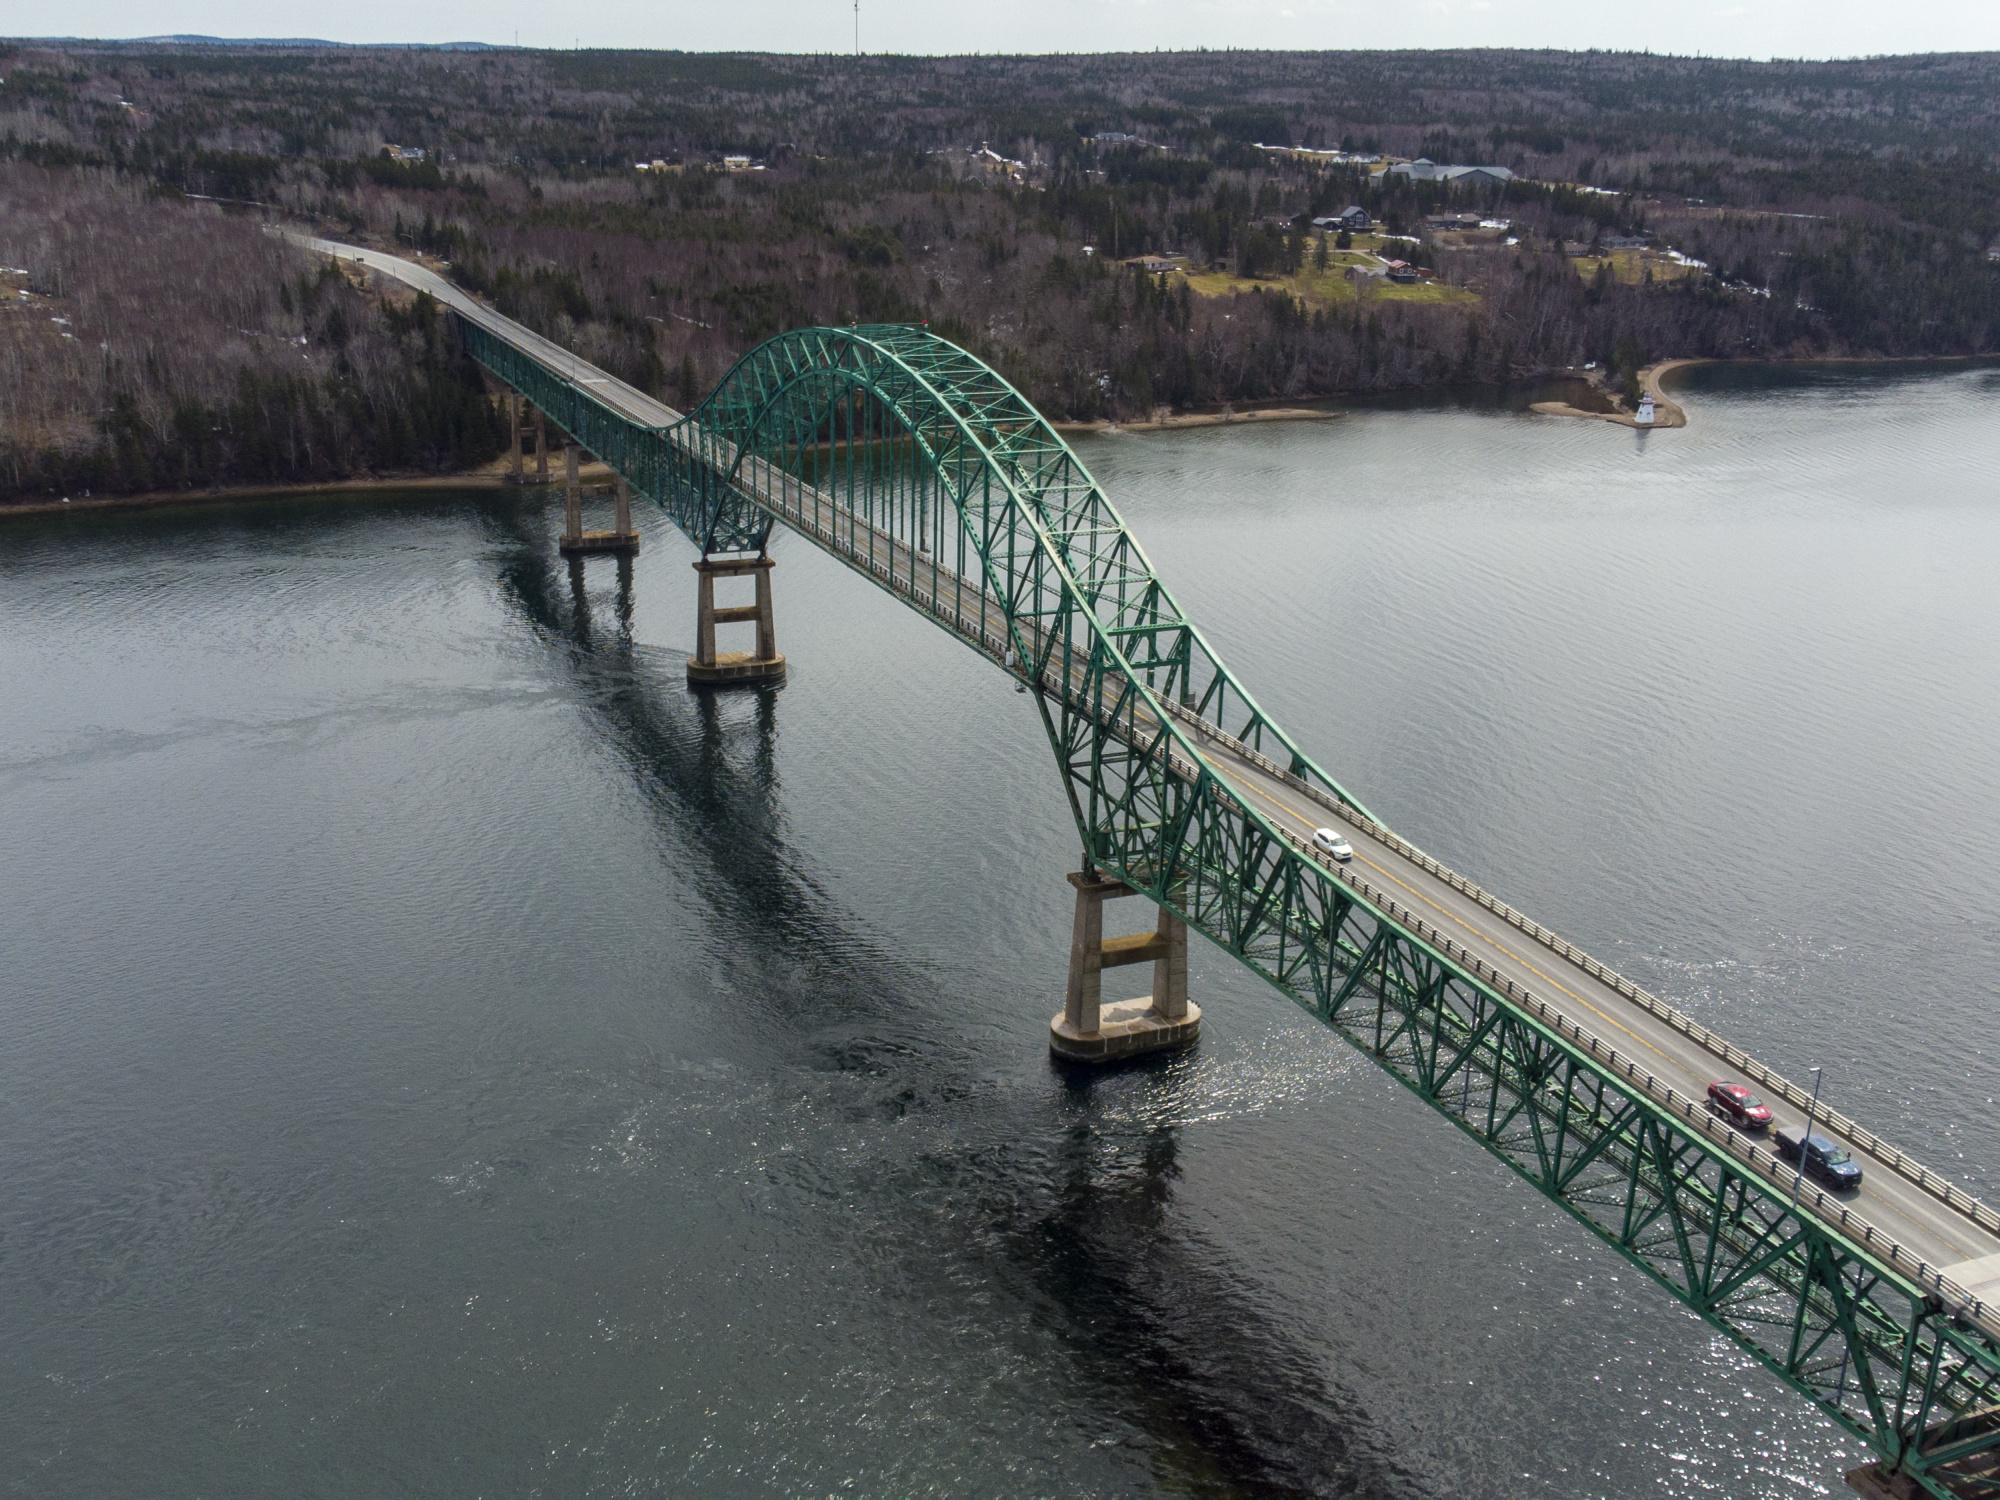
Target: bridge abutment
pixel 1088 1030
pixel 710 666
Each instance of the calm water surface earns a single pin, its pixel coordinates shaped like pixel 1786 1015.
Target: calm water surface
pixel 441 1056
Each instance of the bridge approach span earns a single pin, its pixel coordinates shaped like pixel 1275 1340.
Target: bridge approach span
pixel 915 465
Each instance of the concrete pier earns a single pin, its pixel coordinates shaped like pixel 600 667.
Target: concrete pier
pixel 1088 1030
pixel 523 419
pixel 514 435
pixel 708 665
pixel 572 498
pixel 576 542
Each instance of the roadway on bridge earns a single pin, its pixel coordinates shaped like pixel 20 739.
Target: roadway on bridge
pixel 1915 1219
pixel 627 400
pixel 1911 1216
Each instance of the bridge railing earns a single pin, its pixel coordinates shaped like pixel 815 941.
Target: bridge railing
pixel 1832 1273
pixel 1900 1162
pixel 649 458
pixel 671 465
pixel 1830 1211
pixel 1762 1160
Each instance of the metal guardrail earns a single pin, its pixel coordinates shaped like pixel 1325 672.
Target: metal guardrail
pixel 1904 1165
pixel 1767 1163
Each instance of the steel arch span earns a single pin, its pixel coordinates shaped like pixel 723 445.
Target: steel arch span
pixel 918 466
pixel 955 477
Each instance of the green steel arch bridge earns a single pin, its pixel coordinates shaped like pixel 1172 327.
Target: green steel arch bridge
pixel 918 467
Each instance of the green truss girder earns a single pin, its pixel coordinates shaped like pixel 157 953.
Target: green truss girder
pixel 915 463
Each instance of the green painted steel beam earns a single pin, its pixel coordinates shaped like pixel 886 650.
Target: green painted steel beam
pixel 918 466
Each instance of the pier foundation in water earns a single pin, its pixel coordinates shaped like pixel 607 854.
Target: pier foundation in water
pixel 576 542
pixel 713 667
pixel 1088 1030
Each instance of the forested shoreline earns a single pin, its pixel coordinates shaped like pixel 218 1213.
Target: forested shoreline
pixel 155 334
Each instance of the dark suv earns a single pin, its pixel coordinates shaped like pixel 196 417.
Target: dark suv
pixel 1825 1160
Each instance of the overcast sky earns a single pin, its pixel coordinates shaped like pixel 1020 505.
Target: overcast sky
pixel 1729 28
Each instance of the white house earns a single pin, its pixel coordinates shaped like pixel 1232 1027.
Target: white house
pixel 1423 169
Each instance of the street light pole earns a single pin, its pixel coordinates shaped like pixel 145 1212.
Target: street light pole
pixel 1805 1142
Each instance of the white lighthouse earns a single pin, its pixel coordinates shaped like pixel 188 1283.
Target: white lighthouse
pixel 1645 416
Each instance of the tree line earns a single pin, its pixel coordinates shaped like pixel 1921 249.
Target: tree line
pixel 1813 208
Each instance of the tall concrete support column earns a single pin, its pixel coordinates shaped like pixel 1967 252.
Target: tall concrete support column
pixel 1170 995
pixel 514 436
pixel 622 518
pixel 1083 1001
pixel 767 626
pixel 704 624
pixel 572 500
pixel 708 665
pixel 541 447
pixel 1089 1030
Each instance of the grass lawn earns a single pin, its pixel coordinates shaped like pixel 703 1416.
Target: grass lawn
pixel 1328 288
pixel 1390 246
pixel 1630 266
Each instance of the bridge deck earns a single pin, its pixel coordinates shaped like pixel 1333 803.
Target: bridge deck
pixel 1918 1221
pixel 628 401
pixel 1901 1212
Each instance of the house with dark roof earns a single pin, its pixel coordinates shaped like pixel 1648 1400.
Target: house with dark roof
pixel 1354 216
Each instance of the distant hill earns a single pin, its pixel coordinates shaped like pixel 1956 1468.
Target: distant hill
pixel 186 39
pixel 1651 208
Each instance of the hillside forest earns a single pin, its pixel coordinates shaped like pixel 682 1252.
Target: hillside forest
pixel 154 334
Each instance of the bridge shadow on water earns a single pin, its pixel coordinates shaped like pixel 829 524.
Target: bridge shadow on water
pixel 709 778
pixel 1152 1310
pixel 1058 1201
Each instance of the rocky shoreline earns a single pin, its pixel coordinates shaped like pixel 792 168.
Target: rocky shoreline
pixel 492 476
pixel 1227 417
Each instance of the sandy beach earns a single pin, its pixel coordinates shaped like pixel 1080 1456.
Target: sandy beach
pixel 1666 412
